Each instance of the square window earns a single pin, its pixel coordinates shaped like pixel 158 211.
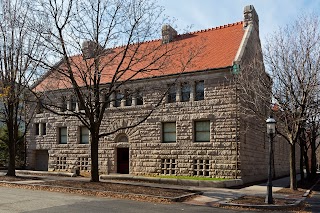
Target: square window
pixel 169 132
pixel 63 135
pixel 172 94
pixel 202 131
pixel 185 92
pixel 84 135
pixel 199 91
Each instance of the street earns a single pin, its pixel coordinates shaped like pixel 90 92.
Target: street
pixel 21 200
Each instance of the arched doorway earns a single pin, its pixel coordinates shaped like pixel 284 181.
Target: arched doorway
pixel 122 155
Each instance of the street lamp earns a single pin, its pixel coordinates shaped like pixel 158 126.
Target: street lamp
pixel 271 130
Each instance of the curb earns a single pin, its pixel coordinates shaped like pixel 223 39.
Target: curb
pixel 44 173
pixel 173 181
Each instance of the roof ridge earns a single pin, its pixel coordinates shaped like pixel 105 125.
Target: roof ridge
pixel 179 35
pixel 215 28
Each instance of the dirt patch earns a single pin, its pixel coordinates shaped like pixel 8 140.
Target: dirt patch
pixel 292 193
pixel 17 178
pixel 122 188
pixel 253 200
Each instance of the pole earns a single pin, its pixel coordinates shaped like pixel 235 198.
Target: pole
pixel 269 199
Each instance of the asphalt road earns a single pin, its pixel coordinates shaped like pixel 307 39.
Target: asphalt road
pixel 21 200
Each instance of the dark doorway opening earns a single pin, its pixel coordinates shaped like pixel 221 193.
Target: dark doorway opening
pixel 42 158
pixel 123 160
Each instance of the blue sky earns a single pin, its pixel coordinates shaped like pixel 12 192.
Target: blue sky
pixel 203 14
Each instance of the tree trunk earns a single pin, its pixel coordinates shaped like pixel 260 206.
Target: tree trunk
pixel 12 148
pixel 293 177
pixel 306 163
pixel 313 157
pixel 94 158
pixel 301 160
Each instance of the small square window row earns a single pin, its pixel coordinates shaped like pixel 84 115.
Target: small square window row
pixel 185 92
pixel 200 167
pixel 201 131
pixel 116 99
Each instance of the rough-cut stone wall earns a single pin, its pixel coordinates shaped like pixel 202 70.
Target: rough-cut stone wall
pixel 145 141
pixel 254 142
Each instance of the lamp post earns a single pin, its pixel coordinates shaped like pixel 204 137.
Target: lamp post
pixel 271 130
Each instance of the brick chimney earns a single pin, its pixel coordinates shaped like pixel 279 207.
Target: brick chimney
pixel 250 16
pixel 90 49
pixel 168 34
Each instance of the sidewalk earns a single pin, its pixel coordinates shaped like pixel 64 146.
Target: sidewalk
pixel 214 196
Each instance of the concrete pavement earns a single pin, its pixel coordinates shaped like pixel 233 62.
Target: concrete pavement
pixel 211 196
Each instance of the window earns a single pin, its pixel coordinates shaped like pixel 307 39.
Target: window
pixel 63 104
pixel 107 100
pixel 81 106
pixel 128 97
pixel 73 103
pixel 118 97
pixel 122 138
pixel 169 132
pixel 172 94
pixel 201 167
pixel 202 131
pixel 185 92
pixel 168 166
pixel 84 135
pixel 44 128
pixel 199 91
pixel 40 128
pixel 61 163
pixel 37 128
pixel 63 135
pixel 139 98
pixel 84 163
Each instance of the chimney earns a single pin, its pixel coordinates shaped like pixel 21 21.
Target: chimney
pixel 90 49
pixel 168 34
pixel 250 16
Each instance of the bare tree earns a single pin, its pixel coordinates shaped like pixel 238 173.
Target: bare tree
pixel 292 57
pixel 17 70
pixel 111 37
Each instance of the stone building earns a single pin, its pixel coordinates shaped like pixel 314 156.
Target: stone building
pixel 196 130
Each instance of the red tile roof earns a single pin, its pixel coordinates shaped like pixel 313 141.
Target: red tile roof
pixel 217 48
